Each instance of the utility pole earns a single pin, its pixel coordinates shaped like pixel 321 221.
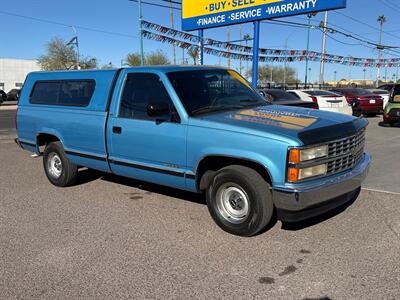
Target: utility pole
pixel 322 64
pixel 334 75
pixel 171 14
pixel 75 42
pixel 284 66
pixel 309 16
pixel 381 20
pixel 240 37
pixel 246 38
pixel 228 38
pixel 141 33
pixel 364 70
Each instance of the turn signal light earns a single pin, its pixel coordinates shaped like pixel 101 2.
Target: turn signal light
pixel 294 156
pixel 293 174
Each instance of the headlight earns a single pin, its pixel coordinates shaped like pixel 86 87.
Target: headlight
pixel 296 174
pixel 301 155
pixel 299 162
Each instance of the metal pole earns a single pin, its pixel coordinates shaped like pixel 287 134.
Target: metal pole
pixel 308 49
pixel 141 33
pixel 381 20
pixel 201 46
pixel 240 59
pixel 77 54
pixel 322 64
pixel 256 46
pixel 77 47
pixel 171 13
pixel 284 68
pixel 228 33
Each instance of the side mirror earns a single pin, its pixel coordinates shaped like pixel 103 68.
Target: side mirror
pixel 158 109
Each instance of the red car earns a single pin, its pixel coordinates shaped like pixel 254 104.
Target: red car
pixel 363 101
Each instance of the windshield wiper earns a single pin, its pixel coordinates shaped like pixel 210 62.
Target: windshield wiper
pixel 211 108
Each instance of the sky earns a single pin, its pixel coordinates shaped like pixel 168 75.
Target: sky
pixel 109 30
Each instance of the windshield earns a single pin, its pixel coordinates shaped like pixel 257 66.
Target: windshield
pixel 205 91
pixel 279 95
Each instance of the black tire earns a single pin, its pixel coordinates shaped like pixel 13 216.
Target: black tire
pixel 59 170
pixel 391 123
pixel 253 187
pixel 370 115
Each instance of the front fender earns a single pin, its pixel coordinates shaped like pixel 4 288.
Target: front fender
pixel 271 154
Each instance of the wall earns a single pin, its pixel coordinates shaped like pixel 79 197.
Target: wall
pixel 14 71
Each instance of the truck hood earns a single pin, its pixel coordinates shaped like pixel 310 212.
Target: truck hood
pixel 310 126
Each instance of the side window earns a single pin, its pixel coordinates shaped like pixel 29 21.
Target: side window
pixel 140 90
pixel 396 90
pixel 77 93
pixel 45 93
pixel 63 92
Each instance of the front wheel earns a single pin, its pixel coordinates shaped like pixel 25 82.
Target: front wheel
pixel 240 201
pixel 59 170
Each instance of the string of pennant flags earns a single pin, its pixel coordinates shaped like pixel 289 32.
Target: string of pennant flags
pixel 186 40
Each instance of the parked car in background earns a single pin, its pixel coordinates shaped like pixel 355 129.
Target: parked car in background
pixel 13 95
pixel 280 97
pixel 385 94
pixel 363 101
pixel 326 100
pixel 391 113
pixel 3 96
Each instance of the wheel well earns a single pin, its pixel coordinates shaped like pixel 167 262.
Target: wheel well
pixel 44 138
pixel 210 164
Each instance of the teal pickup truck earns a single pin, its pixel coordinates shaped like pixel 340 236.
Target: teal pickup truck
pixel 200 129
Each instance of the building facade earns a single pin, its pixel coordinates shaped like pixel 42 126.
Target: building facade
pixel 14 71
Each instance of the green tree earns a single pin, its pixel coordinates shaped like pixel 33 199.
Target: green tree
pixel 133 59
pixel 194 54
pixel 61 56
pixel 157 58
pixel 276 73
pixel 154 58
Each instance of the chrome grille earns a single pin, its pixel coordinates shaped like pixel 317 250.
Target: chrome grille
pixel 346 153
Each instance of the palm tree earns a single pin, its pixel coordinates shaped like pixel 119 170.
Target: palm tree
pixel 194 54
pixel 382 19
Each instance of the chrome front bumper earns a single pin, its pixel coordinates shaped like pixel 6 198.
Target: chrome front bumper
pixel 321 193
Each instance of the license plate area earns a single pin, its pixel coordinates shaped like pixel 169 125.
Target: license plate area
pixel 372 101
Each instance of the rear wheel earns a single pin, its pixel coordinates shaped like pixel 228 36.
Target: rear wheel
pixel 371 115
pixel 59 170
pixel 240 201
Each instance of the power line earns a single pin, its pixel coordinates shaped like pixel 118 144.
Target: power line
pixel 390 5
pixel 366 24
pixel 67 25
pixel 156 4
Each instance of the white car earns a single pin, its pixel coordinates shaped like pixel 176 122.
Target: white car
pixel 383 93
pixel 326 100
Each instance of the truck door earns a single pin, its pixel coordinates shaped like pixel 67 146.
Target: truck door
pixel 145 147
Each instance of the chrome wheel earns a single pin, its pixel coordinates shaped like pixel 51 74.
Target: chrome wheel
pixel 233 203
pixel 54 165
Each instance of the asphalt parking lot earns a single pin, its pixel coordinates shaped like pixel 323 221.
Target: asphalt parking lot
pixel 110 237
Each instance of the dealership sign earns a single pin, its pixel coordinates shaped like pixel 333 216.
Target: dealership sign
pixel 200 14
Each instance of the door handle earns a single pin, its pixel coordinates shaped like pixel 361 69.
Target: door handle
pixel 117 130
